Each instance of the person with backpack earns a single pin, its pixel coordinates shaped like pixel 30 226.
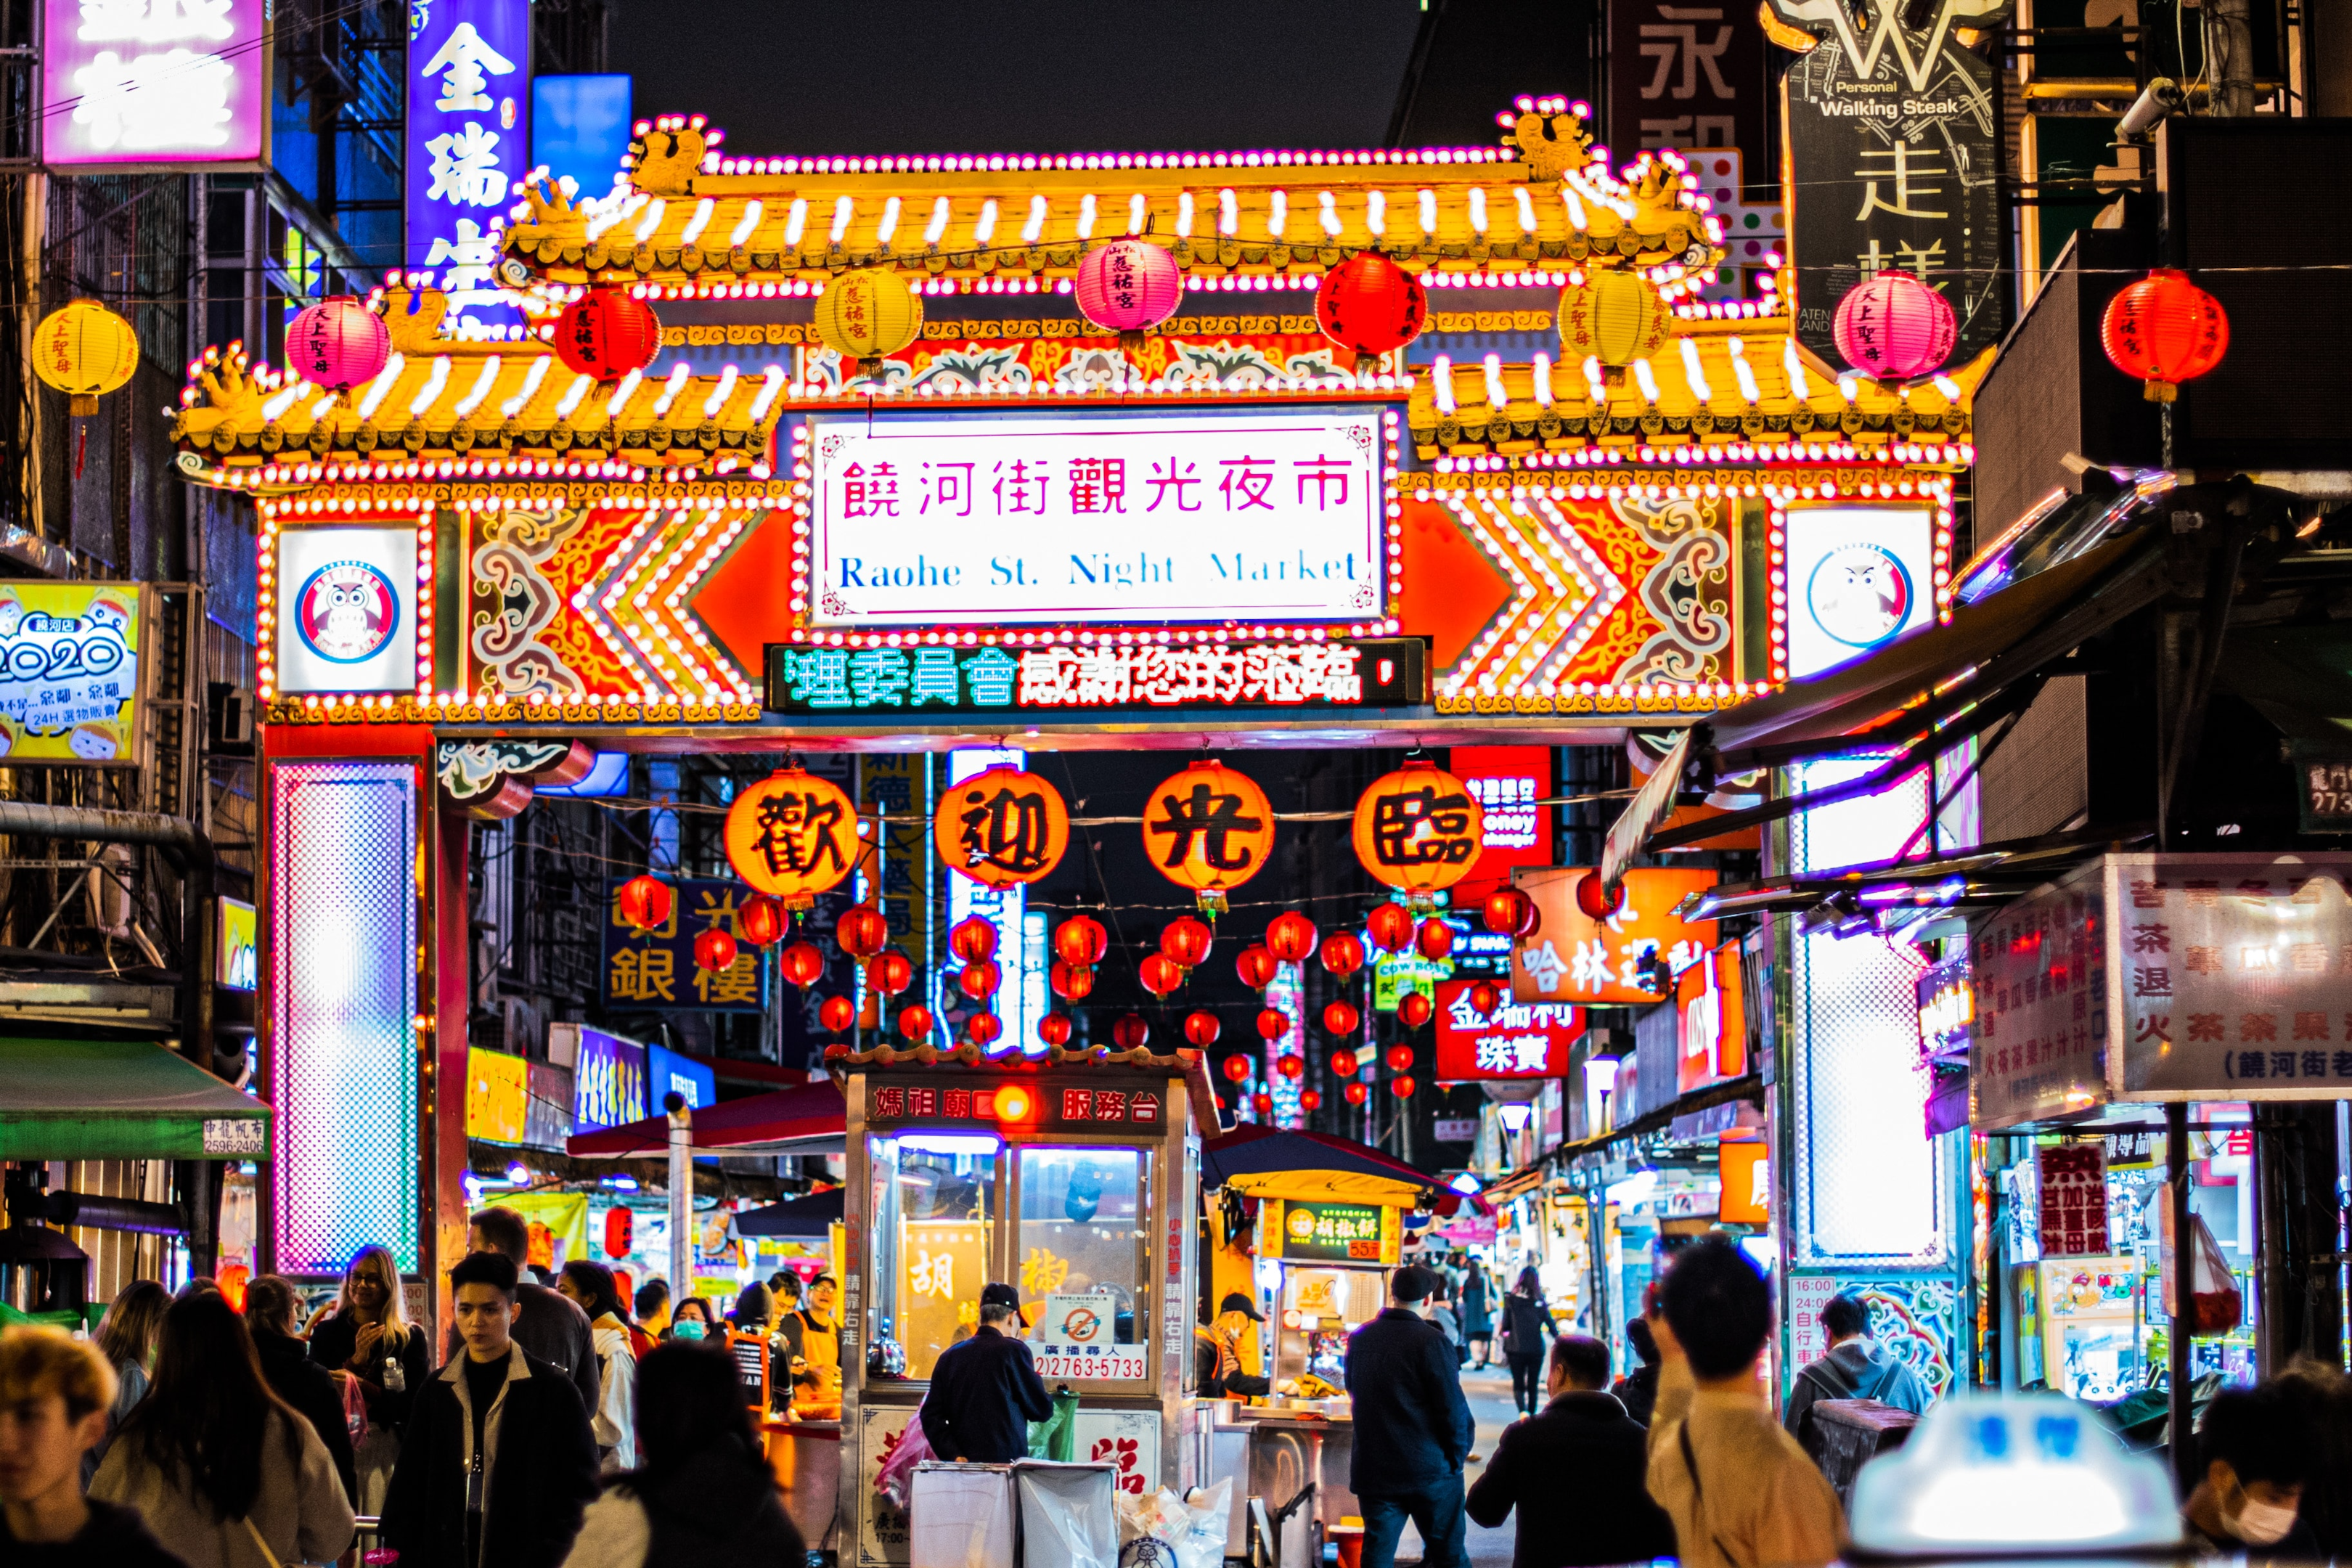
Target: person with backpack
pixel 1854 1367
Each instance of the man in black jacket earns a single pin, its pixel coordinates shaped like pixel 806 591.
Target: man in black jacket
pixel 498 1462
pixel 1607 1516
pixel 985 1390
pixel 550 1327
pixel 1412 1427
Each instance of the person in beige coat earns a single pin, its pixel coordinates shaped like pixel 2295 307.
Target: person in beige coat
pixel 218 1465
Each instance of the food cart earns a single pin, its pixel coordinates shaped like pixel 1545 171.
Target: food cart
pixel 1074 1176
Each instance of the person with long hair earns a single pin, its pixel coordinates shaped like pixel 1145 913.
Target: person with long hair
pixel 368 1341
pixel 704 1494
pixel 215 1462
pixel 1528 1334
pixel 270 1303
pixel 126 1338
pixel 590 1287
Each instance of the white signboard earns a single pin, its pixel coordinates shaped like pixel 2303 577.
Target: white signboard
pixel 1075 1340
pixel 346 609
pixel 1859 576
pixel 1030 520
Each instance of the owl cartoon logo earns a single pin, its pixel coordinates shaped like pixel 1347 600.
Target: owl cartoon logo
pixel 346 611
pixel 1860 595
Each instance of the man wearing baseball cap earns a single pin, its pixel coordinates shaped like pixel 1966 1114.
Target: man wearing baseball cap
pixel 1226 1350
pixel 986 1391
pixel 1412 1427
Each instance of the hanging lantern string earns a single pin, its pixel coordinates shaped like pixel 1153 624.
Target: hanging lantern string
pixel 701 808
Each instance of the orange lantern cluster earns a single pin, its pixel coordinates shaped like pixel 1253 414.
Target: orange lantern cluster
pixel 1079 943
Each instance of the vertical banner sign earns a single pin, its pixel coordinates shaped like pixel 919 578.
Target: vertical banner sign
pixel 1002 907
pixel 1893 162
pixel 468 143
pixel 125 83
pixel 1506 782
pixel 1688 75
pixel 2073 1200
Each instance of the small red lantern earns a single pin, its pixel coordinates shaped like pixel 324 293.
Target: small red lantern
pixel 1510 912
pixel 1273 1022
pixel 1355 1092
pixel 2164 330
pixel 982 1029
pixel 837 1013
pixel 890 972
pixel 1341 1017
pixel 1071 982
pixel 1184 942
pixel 1290 1067
pixel 1414 1009
pixel 862 931
pixel 1081 941
pixel 1265 1103
pixel 1310 1099
pixel 1256 966
pixel 914 1021
pixel 1290 937
pixel 1159 974
pixel 620 1231
pixel 973 940
pixel 1371 305
pixel 1130 1032
pixel 646 902
pixel 1401 1086
pixel 1434 940
pixel 1595 901
pixel 800 964
pixel 1343 954
pixel 1344 1064
pixel 1202 1029
pixel 607 333
pixel 1400 1058
pixel 979 979
pixel 762 919
pixel 714 949
pixel 1485 998
pixel 1389 926
pixel 1237 1067
pixel 1054 1028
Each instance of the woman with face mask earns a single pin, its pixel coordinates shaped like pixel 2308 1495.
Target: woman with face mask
pixel 2257 1446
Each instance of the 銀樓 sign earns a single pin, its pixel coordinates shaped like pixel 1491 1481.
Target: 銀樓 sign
pixel 1029 520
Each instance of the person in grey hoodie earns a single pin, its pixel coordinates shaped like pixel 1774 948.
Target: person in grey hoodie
pixel 1854 1367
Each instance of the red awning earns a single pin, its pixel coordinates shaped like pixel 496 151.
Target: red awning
pixel 806 1120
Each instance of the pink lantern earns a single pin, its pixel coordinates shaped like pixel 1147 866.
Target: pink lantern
pixel 338 343
pixel 1895 327
pixel 1127 286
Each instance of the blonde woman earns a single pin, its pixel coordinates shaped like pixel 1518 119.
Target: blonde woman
pixel 126 1338
pixel 368 1342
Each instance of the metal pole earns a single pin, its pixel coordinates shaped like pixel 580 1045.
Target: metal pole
pixel 681 1196
pixel 2176 1176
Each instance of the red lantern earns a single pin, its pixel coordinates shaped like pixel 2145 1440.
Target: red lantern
pixel 837 1013
pixel 1130 1032
pixel 1401 1086
pixel 1400 1058
pixel 914 1021
pixel 1265 1103
pixel 1595 901
pixel 1485 998
pixel 646 902
pixel 1256 966
pixel 979 980
pixel 762 919
pixel 1414 1009
pixel 982 1029
pixel 1356 1093
pixel 1434 940
pixel 714 949
pixel 1343 954
pixel 800 964
pixel 607 333
pixel 1081 941
pixel 1159 974
pixel 1344 1064
pixel 862 931
pixel 1184 942
pixel 1202 1029
pixel 1054 1028
pixel 1341 1017
pixel 1290 937
pixel 620 1231
pixel 1310 1099
pixel 1071 982
pixel 2164 330
pixel 890 972
pixel 1510 912
pixel 973 940
pixel 1273 1022
pixel 1237 1067
pixel 1389 926
pixel 1290 1067
pixel 1371 305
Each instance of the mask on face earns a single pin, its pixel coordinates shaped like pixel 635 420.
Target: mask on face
pixel 2259 1523
pixel 691 1329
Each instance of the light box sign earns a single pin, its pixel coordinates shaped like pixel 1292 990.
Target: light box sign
pixel 153 83
pixel 655 971
pixel 497 1095
pixel 1575 958
pixel 1515 1040
pixel 580 128
pixel 1096 518
pixel 1710 1022
pixel 237 962
pixel 1337 1233
pixel 1858 578
pixel 1507 781
pixel 667 1070
pixel 1070 677
pixel 69 672
pixel 346 609
pixel 468 144
pixel 608 1081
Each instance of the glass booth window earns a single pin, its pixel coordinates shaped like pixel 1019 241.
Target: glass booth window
pixel 932 1202
pixel 1085 1259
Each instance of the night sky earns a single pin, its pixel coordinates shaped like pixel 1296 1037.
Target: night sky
pixel 1047 76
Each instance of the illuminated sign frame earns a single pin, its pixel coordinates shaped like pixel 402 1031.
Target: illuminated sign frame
pixel 1382 1247
pixel 71 682
pixel 1907 533
pixel 469 70
pixel 1471 1046
pixel 207 74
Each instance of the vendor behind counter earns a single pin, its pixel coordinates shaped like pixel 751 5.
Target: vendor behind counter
pixel 1225 1352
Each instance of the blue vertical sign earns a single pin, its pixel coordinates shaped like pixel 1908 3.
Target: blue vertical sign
pixel 468 144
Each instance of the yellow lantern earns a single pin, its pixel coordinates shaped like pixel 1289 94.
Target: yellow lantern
pixel 867 314
pixel 1616 317
pixel 85 351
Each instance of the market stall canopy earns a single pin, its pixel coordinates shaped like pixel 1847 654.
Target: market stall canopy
pixel 1307 1167
pixel 812 1216
pixel 121 1100
pixel 807 1119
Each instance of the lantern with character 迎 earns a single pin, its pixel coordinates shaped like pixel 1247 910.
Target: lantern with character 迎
pixel 1002 826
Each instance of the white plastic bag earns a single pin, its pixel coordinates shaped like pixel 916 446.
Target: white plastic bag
pixel 1163 1531
pixel 1068 1514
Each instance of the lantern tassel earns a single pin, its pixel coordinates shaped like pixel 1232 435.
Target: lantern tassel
pixel 870 367
pixel 2159 391
pixel 1130 342
pixel 81 404
pixel 82 445
pixel 1368 364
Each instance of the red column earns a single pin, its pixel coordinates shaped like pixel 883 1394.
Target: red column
pixel 448 934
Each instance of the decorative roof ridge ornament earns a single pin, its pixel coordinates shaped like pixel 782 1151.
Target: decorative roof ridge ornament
pixel 1550 135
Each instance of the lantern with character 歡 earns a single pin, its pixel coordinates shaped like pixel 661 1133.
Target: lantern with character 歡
pixel 792 836
pixel 1209 828
pixel 1002 828
pixel 1419 830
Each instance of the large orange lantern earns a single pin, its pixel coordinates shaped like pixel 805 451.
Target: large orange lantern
pixel 1002 826
pixel 1419 830
pixel 792 836
pixel 1210 829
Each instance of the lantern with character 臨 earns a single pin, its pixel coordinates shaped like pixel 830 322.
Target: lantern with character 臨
pixel 1002 826
pixel 1209 828
pixel 792 836
pixel 1419 830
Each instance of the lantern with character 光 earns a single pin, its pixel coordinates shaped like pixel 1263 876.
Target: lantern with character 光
pixel 1209 828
